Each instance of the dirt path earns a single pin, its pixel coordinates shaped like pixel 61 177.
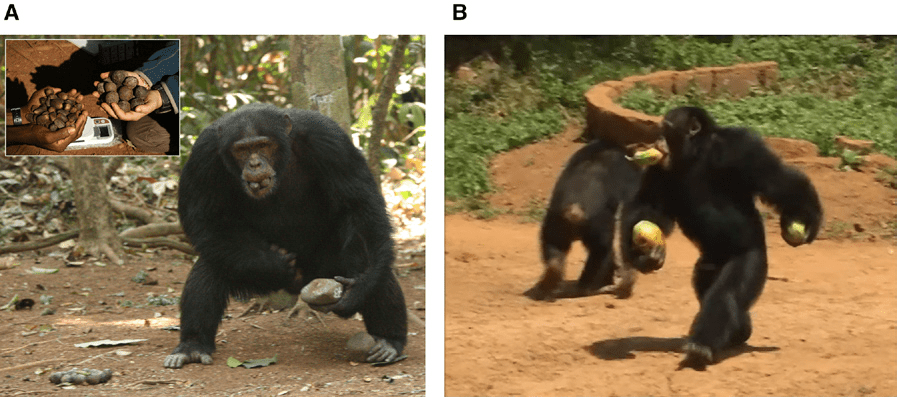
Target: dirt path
pixel 91 303
pixel 826 323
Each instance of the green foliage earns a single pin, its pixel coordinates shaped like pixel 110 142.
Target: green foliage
pixel 850 160
pixel 140 277
pixel 471 139
pixel 534 212
pixel 478 207
pixel 162 300
pixel 126 303
pixel 221 73
pixel 888 177
pixel 681 53
pixel 830 85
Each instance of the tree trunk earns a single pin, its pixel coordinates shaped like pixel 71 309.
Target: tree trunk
pixel 94 213
pixel 318 82
pixel 318 77
pixel 378 113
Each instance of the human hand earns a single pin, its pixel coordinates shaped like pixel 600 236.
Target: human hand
pixel 152 102
pixel 35 100
pixel 37 135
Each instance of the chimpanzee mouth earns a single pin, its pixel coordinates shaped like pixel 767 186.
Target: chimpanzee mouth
pixel 260 189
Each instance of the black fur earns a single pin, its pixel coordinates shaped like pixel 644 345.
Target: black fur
pixel 708 186
pixel 587 198
pixel 325 211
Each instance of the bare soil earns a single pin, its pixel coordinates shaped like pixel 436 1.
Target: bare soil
pixel 88 300
pixel 826 323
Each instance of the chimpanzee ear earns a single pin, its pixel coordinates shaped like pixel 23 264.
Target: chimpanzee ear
pixel 695 127
pixel 289 128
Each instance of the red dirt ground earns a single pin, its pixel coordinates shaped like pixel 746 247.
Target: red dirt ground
pixel 312 358
pixel 826 323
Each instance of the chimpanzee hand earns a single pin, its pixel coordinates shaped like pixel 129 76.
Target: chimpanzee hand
pixel 649 259
pixel 285 263
pixel 287 257
pixel 799 230
pixel 341 304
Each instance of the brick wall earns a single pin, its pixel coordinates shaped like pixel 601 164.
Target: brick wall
pixel 605 119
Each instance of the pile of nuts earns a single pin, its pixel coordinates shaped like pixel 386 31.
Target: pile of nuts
pixel 122 89
pixel 56 110
pixel 85 376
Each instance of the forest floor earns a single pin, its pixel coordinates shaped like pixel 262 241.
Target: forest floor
pixel 94 302
pixel 826 323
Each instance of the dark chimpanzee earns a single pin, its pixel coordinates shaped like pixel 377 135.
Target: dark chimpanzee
pixel 273 199
pixel 586 205
pixel 708 185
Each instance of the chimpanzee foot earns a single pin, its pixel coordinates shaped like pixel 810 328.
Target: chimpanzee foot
pixel 697 356
pixel 623 283
pixel 537 293
pixel 186 353
pixel 379 351
pixel 621 291
pixel 383 351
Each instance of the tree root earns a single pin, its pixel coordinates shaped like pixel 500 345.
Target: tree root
pixel 158 242
pixel 156 229
pixel 35 245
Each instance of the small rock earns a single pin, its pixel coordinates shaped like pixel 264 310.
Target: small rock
pixel 361 342
pixel 322 291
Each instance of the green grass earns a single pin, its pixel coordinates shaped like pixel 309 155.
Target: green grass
pixel 794 115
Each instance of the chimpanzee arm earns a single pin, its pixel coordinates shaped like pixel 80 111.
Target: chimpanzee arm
pixel 785 188
pixel 652 203
pixel 364 237
pixel 212 221
pixel 363 234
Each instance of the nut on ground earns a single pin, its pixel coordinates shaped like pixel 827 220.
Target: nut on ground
pixel 361 342
pixel 84 376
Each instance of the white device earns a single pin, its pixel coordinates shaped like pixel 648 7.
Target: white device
pixel 98 132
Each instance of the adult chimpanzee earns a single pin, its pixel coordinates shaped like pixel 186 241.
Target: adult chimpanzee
pixel 273 199
pixel 708 185
pixel 586 205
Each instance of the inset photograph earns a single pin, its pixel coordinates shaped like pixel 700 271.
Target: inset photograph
pixel 670 215
pixel 92 97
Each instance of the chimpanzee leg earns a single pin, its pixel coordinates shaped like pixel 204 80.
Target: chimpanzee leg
pixel 598 239
pixel 599 267
pixel 703 277
pixel 386 319
pixel 202 305
pixel 557 236
pixel 726 294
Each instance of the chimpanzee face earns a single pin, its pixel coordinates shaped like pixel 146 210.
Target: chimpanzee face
pixel 681 129
pixel 255 157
